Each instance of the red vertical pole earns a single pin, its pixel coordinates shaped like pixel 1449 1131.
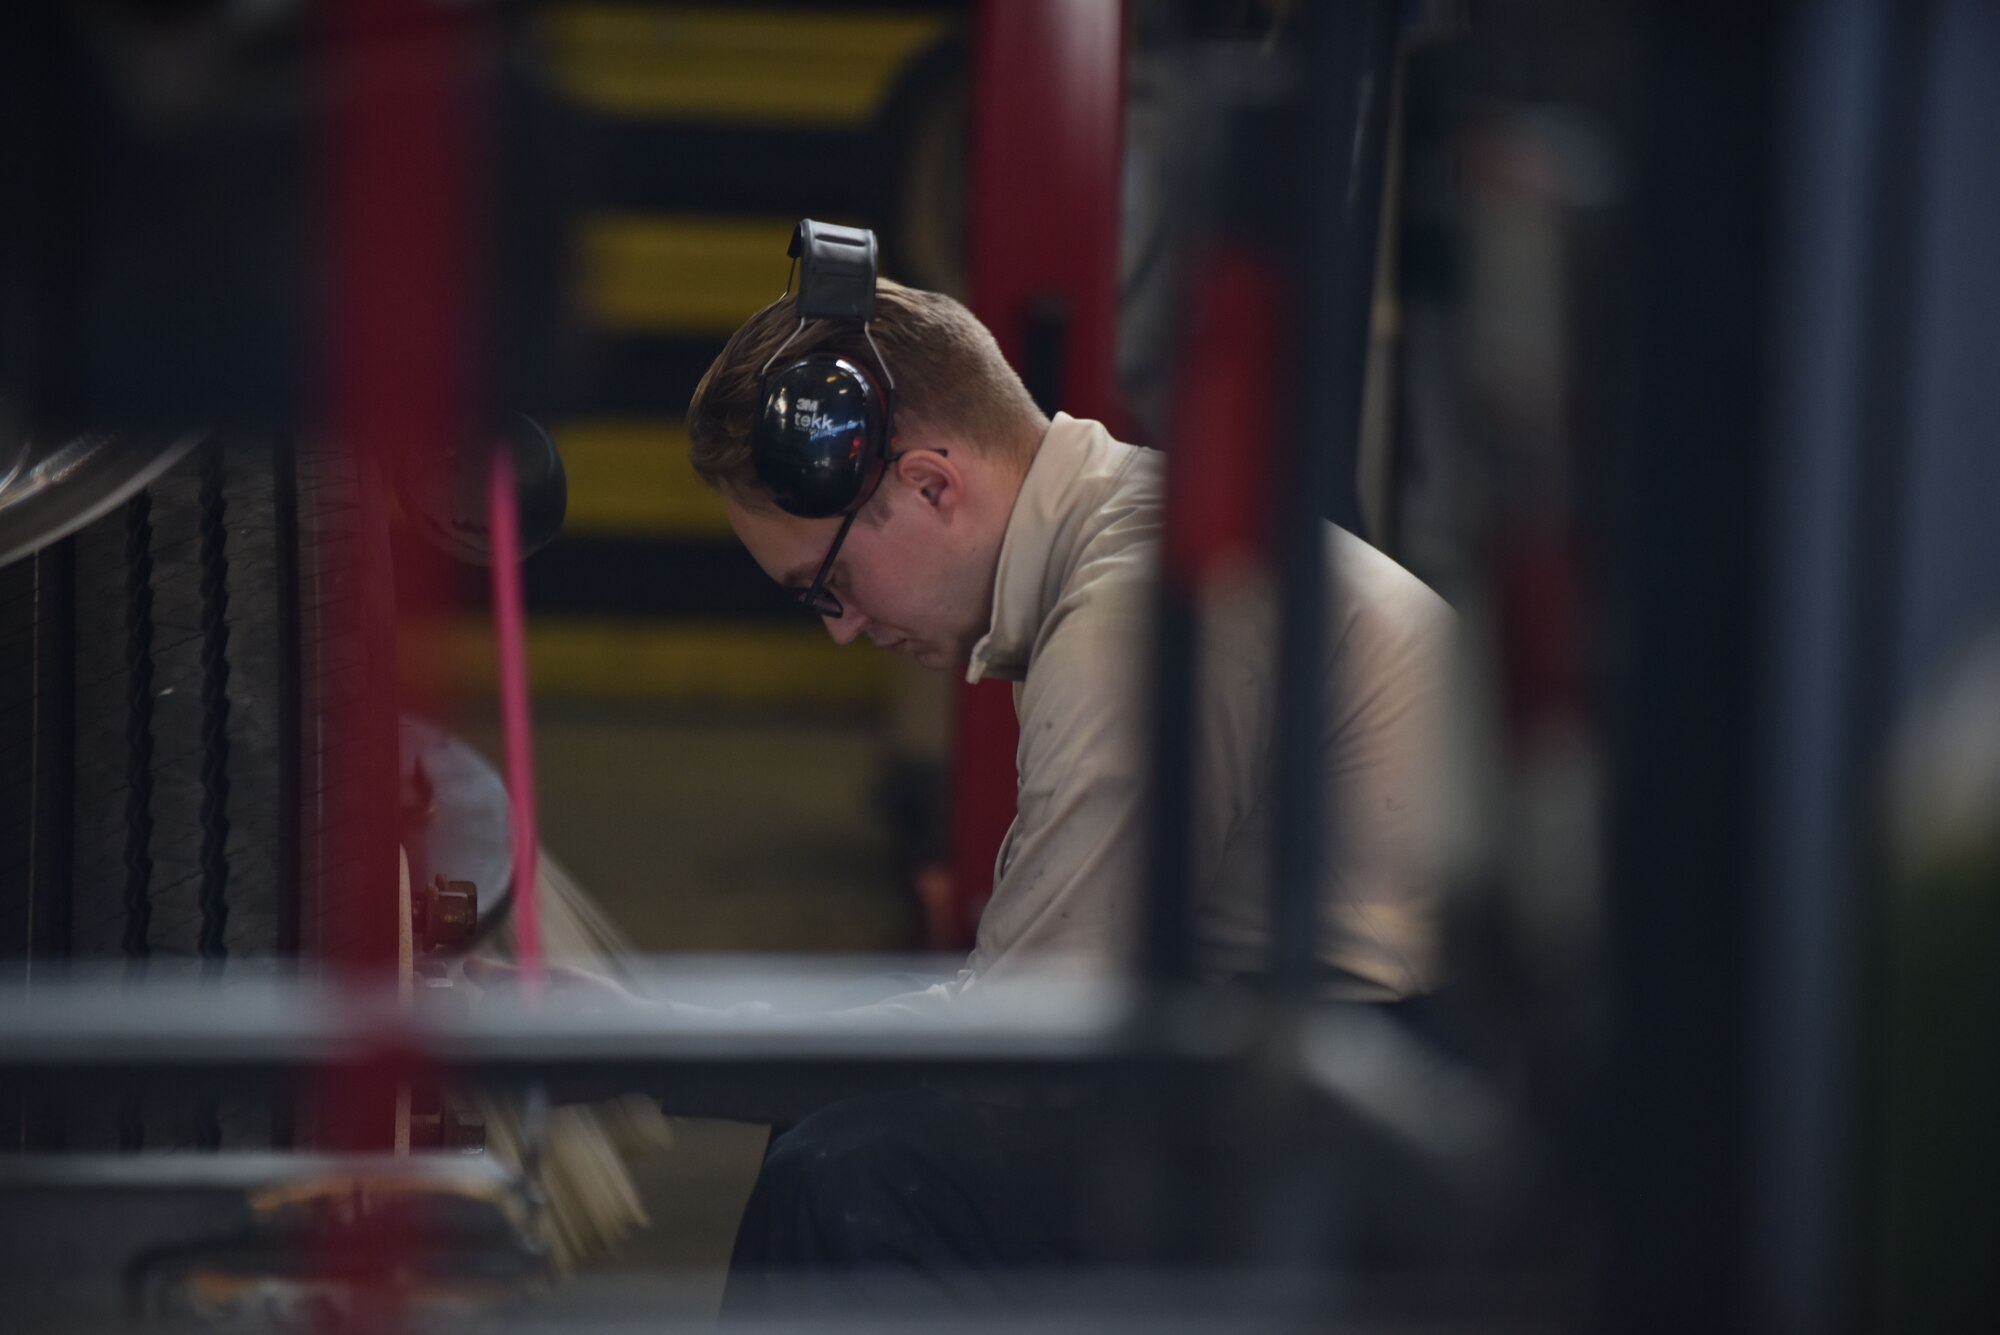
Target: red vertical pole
pixel 401 261
pixel 402 255
pixel 397 371
pixel 1047 157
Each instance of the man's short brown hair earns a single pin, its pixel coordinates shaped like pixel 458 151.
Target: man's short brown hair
pixel 949 374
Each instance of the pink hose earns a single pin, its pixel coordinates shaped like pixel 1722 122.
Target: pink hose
pixel 510 629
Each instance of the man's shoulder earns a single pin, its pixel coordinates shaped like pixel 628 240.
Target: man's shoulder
pixel 1111 554
pixel 1121 513
pixel 1371 589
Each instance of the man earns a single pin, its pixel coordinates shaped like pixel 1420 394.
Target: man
pixel 1002 544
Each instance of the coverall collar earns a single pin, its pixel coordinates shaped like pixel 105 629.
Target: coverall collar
pixel 1077 463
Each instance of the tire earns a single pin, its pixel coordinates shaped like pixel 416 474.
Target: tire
pixel 226 645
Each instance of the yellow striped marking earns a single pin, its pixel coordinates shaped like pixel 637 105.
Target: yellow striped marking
pixel 708 63
pixel 632 478
pixel 682 662
pixel 672 275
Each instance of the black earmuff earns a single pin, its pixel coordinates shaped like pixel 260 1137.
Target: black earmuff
pixel 821 440
pixel 822 436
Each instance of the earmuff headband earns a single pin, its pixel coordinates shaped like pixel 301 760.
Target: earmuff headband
pixel 821 440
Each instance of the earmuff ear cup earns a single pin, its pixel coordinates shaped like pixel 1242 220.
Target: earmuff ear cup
pixel 821 437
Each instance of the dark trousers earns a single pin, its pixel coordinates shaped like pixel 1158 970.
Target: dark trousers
pixel 914 1196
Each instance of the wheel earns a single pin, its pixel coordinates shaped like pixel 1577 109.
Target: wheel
pixel 197 677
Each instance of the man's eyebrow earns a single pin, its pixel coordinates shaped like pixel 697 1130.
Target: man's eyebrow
pixel 798 577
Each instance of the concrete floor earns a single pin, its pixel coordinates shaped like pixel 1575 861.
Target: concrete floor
pixel 709 832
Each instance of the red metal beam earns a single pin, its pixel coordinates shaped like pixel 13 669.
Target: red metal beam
pixel 1047 159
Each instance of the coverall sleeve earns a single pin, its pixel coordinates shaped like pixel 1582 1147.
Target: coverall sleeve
pixel 1069 884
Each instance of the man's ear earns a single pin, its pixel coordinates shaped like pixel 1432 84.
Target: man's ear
pixel 934 475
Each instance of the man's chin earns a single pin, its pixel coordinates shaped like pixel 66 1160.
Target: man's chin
pixel 939 660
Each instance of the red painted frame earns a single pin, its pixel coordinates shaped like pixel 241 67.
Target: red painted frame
pixel 1047 161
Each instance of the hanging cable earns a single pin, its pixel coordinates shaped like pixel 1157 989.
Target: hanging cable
pixel 510 629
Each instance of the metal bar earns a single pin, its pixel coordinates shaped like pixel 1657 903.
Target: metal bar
pixel 1352 52
pixel 164 1026
pixel 1167 954
pixel 1047 148
pixel 1852 124
pixel 276 1024
pixel 1219 490
pixel 233 1171
pixel 1680 522
pixel 404 246
pixel 1440 1119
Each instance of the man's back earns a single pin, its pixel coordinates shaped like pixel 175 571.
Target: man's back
pixel 1073 608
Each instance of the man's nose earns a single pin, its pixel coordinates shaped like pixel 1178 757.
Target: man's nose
pixel 847 627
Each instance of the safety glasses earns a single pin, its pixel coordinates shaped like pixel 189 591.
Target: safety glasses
pixel 816 597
